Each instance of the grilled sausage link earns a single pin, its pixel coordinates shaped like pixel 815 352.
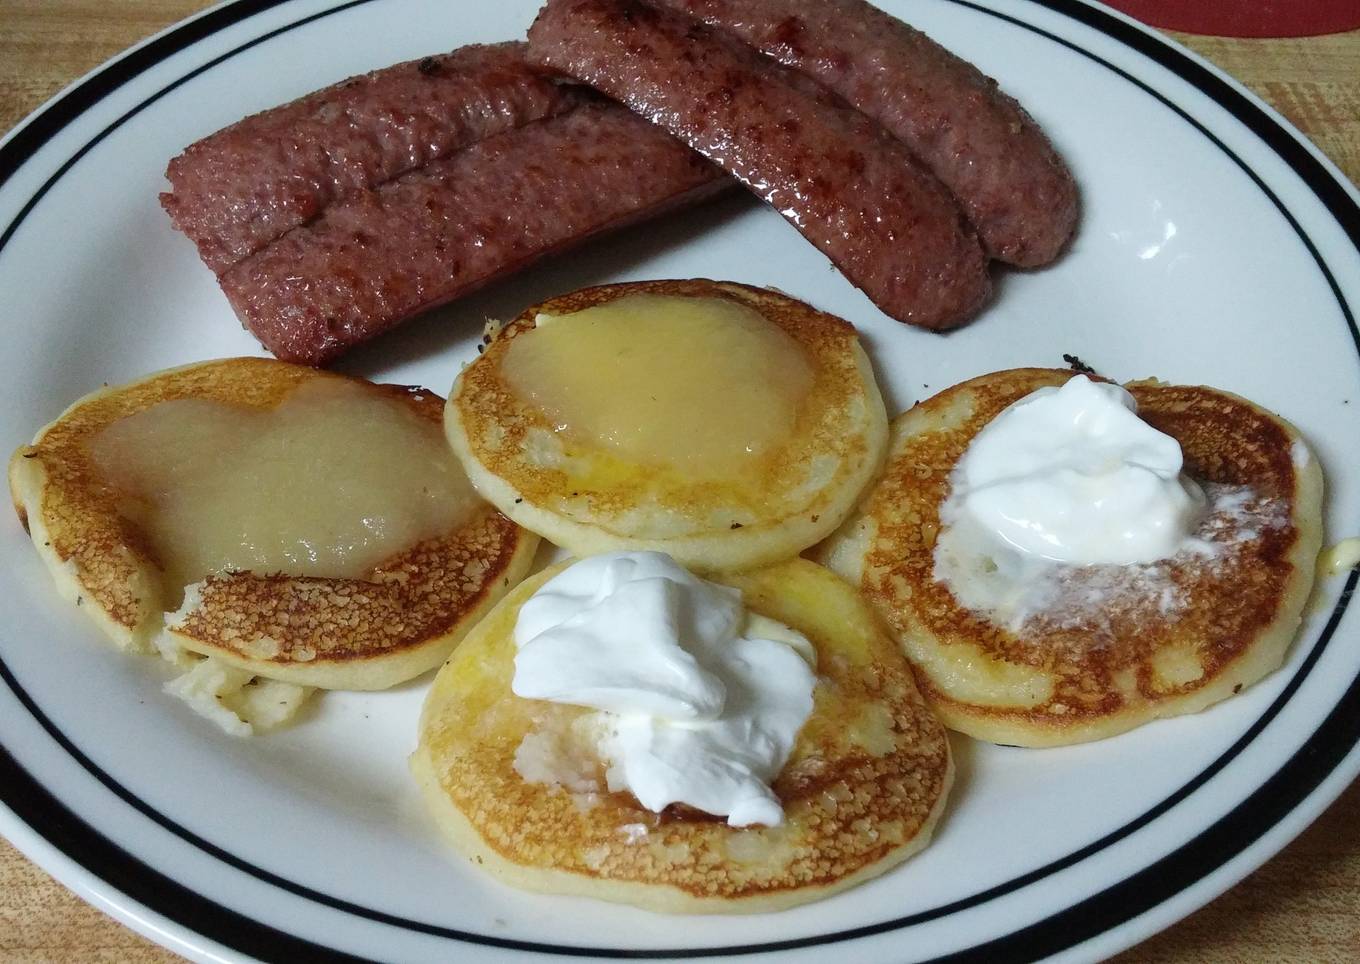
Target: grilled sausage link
pixel 981 143
pixel 237 190
pixel 381 256
pixel 850 188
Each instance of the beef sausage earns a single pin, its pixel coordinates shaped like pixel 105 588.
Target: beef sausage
pixel 381 256
pixel 237 190
pixel 1012 184
pixel 850 188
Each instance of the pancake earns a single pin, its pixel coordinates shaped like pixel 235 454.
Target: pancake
pixel 861 792
pixel 591 499
pixel 395 621
pixel 1114 646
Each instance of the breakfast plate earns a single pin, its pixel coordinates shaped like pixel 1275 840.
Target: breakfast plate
pixel 1216 247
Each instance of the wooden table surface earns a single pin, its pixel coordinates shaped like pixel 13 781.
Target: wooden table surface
pixel 1304 905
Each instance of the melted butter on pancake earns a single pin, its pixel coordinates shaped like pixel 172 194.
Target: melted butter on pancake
pixel 644 372
pixel 305 488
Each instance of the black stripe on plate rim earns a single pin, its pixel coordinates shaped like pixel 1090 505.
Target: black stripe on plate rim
pixel 1090 917
pixel 1082 921
pixel 58 114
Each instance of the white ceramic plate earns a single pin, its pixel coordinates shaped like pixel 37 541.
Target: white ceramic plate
pixel 1216 247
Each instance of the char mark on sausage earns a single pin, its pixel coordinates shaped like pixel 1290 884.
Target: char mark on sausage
pixel 980 142
pixel 854 191
pixel 432 235
pixel 238 190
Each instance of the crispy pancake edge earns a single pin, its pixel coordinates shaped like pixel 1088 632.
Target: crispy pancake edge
pixel 716 549
pixel 126 583
pixel 132 625
pixel 116 582
pixel 663 896
pixel 374 662
pixel 846 553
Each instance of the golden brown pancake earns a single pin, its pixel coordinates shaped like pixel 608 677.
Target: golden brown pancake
pixel 1118 646
pixel 397 621
pixel 590 500
pixel 861 791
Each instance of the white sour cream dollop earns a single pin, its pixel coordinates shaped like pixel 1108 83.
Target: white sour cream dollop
pixel 700 701
pixel 1073 475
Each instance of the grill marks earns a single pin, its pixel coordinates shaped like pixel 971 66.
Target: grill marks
pixel 434 234
pixel 235 192
pixel 848 187
pixel 335 217
pixel 993 157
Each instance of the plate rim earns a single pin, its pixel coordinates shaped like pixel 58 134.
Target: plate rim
pixel 1319 757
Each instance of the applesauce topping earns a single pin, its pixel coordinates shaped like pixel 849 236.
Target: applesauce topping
pixel 330 482
pixel 702 385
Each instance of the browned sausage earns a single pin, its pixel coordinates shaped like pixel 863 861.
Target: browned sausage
pixel 1010 181
pixel 379 257
pixel 237 190
pixel 855 192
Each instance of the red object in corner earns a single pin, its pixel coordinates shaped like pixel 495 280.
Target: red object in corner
pixel 1246 18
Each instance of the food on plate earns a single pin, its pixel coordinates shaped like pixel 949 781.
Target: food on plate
pixel 889 225
pixel 245 186
pixel 1340 557
pixel 726 425
pixel 811 740
pixel 337 216
pixel 1056 573
pixel 1011 183
pixel 373 260
pixel 304 528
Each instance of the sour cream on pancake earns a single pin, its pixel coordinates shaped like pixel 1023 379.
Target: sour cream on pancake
pixel 700 702
pixel 1073 475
